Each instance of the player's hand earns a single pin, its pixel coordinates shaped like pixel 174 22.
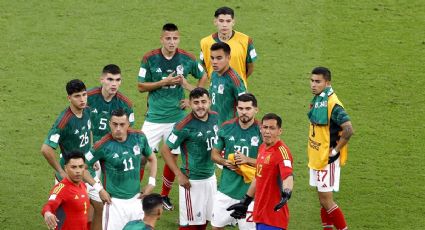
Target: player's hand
pixel 146 191
pixel 240 158
pixel 51 220
pixel 285 195
pixel 171 80
pixel 184 103
pixel 105 197
pixel 228 164
pixel 240 208
pixel 183 181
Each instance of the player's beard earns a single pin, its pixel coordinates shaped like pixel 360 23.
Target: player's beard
pixel 245 119
pixel 201 116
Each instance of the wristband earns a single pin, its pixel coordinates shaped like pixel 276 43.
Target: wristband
pixel 333 152
pixel 152 181
pixel 98 187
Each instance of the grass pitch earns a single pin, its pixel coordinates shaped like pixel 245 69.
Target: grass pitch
pixel 375 50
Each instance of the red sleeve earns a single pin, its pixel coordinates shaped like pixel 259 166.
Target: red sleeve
pixel 285 165
pixel 55 199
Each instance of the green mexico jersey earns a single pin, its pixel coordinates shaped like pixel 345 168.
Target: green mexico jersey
pixel 120 162
pixel 70 133
pixel 137 225
pixel 232 138
pixel 101 111
pixel 224 92
pixel 164 103
pixel 195 138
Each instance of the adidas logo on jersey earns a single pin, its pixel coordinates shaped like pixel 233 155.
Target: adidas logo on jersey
pixel 232 138
pixel 76 131
pixel 199 134
pixel 159 70
pixel 324 186
pixel 94 111
pixel 115 155
pixel 76 197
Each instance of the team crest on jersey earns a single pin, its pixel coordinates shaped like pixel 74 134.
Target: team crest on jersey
pixel 179 70
pixel 220 89
pixel 136 150
pixel 215 128
pixel 267 160
pixel 254 141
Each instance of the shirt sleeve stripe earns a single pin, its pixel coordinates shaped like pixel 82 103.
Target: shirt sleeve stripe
pixel 284 153
pixel 58 188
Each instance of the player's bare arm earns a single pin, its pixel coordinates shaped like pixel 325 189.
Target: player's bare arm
pixel 152 175
pixel 249 69
pixel 169 160
pixel 217 158
pixel 150 86
pixel 347 132
pixel 50 155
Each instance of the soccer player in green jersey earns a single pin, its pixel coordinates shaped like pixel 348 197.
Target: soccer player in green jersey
pixel 163 73
pixel 226 85
pixel 120 153
pixel 71 130
pixel 103 100
pixel 152 207
pixel 241 137
pixel 195 134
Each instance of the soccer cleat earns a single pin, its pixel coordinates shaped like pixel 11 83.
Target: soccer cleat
pixel 166 203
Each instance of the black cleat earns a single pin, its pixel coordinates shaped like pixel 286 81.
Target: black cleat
pixel 166 203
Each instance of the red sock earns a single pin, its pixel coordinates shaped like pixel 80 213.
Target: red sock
pixel 337 218
pixel 167 181
pixel 202 227
pixel 326 220
pixel 88 225
pixel 142 172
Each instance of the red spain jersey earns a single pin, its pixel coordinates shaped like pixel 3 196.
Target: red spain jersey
pixel 274 164
pixel 69 202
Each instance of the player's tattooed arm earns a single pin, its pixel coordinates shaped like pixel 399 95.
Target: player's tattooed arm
pixel 347 130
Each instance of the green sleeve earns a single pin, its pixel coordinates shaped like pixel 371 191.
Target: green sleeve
pixel 53 137
pixel 146 150
pixel 144 72
pixel 197 70
pixel 176 138
pixel 251 55
pixel 130 114
pixel 339 116
pixel 238 90
pixel 219 143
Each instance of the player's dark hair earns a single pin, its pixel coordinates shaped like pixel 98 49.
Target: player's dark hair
pixel 198 92
pixel 170 27
pixel 118 112
pixel 75 86
pixel 325 72
pixel 248 97
pixel 73 155
pixel 224 10
pixel 273 116
pixel 151 202
pixel 221 46
pixel 112 69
